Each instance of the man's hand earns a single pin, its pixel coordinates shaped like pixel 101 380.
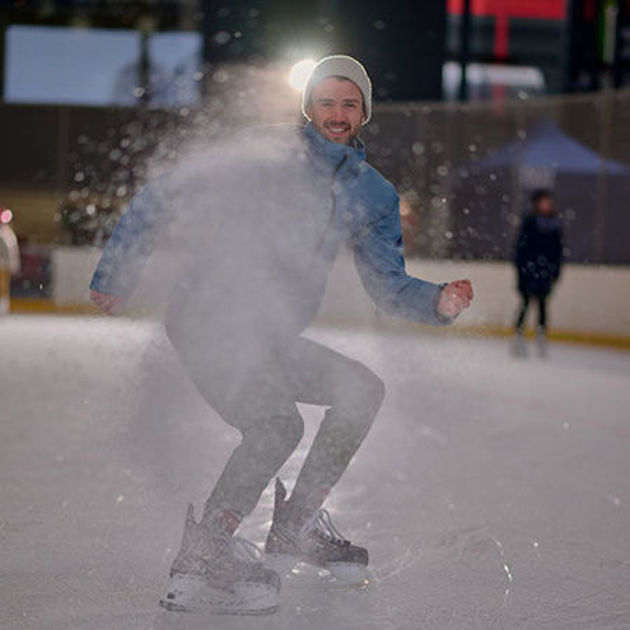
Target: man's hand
pixel 455 297
pixel 106 301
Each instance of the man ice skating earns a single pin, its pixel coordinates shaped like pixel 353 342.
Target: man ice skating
pixel 246 293
pixel 538 262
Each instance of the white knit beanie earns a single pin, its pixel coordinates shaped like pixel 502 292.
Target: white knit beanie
pixel 340 66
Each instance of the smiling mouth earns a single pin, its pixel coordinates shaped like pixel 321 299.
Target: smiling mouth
pixel 338 129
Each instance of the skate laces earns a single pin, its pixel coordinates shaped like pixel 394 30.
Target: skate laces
pixel 238 547
pixel 244 549
pixel 322 523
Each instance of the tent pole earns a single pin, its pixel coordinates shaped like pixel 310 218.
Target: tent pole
pixel 602 178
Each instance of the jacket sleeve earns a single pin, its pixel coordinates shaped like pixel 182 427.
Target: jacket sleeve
pixel 132 241
pixel 522 244
pixel 558 254
pixel 378 255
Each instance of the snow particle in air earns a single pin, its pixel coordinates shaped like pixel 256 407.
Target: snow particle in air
pixel 417 148
pixel 221 38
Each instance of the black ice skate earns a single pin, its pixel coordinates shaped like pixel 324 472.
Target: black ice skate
pixel 314 541
pixel 218 573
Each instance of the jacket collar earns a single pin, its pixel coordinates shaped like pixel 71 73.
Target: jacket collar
pixel 332 152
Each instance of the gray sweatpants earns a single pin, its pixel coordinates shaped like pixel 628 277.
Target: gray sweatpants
pixel 254 383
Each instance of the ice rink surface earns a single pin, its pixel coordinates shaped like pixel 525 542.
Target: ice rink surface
pixel 492 492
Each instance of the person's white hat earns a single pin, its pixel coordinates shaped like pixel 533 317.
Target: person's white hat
pixel 340 66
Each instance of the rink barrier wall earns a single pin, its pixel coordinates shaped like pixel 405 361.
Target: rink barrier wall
pixel 590 303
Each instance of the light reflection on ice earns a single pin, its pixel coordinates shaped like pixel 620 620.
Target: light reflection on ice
pixel 506 568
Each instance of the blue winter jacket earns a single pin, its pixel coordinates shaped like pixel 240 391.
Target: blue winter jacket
pixel 260 222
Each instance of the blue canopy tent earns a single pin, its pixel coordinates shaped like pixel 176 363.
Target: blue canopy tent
pixel 592 194
pixel 546 147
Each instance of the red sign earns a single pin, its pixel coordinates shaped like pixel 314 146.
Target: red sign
pixel 503 10
pixel 528 9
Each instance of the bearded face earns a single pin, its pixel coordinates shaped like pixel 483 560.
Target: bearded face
pixel 336 109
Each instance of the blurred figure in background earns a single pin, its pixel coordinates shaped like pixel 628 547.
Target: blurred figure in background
pixel 538 260
pixel 9 258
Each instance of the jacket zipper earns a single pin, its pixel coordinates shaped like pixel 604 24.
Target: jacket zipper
pixel 333 211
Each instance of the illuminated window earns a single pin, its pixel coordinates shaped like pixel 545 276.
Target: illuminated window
pixel 82 66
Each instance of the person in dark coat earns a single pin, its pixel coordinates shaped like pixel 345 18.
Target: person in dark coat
pixel 538 260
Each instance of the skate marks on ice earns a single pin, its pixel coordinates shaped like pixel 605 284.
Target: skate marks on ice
pixel 508 483
pixel 76 550
pixel 493 453
pixel 476 463
pixel 477 541
pixel 504 506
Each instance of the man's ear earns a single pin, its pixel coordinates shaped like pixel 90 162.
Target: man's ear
pixel 309 111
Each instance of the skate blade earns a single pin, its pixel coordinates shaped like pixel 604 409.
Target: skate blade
pixel 347 575
pixel 334 576
pixel 190 593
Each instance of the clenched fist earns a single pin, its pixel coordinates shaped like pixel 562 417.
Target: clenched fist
pixel 455 297
pixel 106 301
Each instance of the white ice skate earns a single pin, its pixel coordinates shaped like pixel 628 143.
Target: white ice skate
pixel 315 542
pixel 519 346
pixel 541 342
pixel 221 574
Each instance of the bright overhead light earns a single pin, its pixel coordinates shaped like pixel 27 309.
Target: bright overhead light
pixel 299 73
